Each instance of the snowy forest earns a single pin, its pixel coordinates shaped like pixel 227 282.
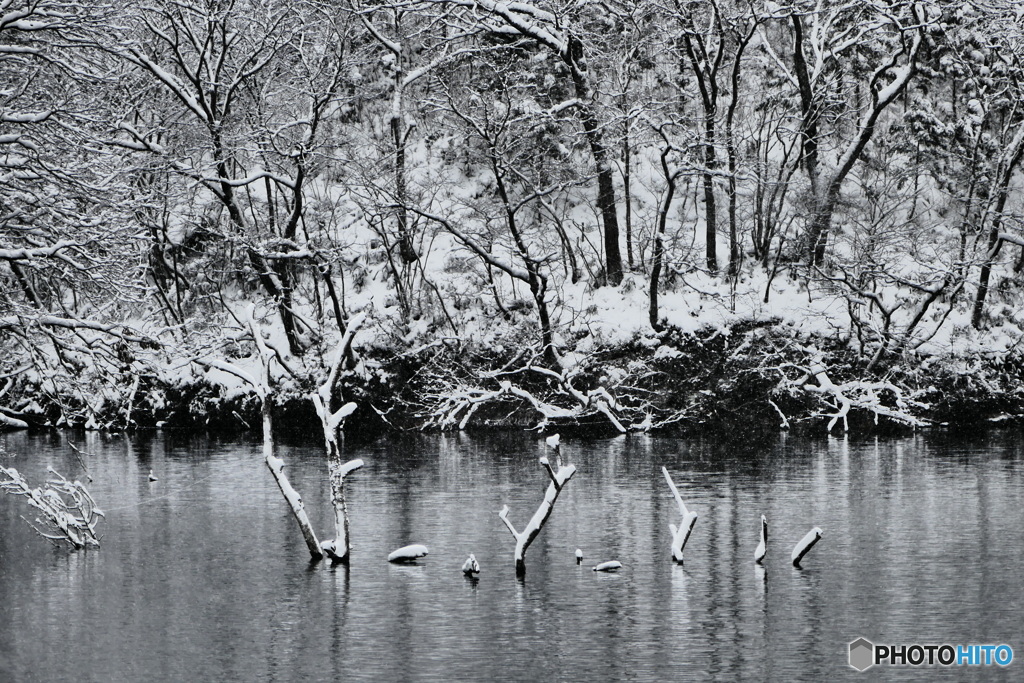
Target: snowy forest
pixel 621 215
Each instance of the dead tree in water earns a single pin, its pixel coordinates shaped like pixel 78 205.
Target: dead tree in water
pixel 275 464
pixel 559 477
pixel 331 421
pixel 681 534
pixel 263 386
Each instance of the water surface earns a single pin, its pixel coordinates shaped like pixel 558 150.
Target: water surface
pixel 203 575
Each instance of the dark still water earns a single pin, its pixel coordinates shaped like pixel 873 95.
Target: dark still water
pixel 203 575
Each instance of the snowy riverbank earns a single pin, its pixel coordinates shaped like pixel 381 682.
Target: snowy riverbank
pixel 722 366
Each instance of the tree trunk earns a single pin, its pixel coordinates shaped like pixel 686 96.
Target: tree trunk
pixel 524 538
pixel 730 146
pixel 707 84
pixel 659 240
pixel 535 279
pixel 276 467
pixel 994 244
pixel 827 198
pixel 606 201
pixel 627 192
pixel 405 245
pixel 339 548
pixel 808 108
pixel 276 286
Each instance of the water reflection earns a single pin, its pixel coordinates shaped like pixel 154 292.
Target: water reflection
pixel 202 574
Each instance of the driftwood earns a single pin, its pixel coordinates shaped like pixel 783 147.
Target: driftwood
pixel 264 390
pixel 454 405
pixel 863 395
pixel 276 467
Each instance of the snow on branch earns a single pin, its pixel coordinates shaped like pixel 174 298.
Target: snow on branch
pixel 525 18
pixel 863 395
pixel 38 252
pixel 257 174
pixel 69 512
pixel 1011 238
pixel 170 81
pixel 322 398
pixel 121 332
pixel 456 405
pixel 559 476
pixel 9 421
pixel 489 258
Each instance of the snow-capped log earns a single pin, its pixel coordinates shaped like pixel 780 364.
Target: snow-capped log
pixel 611 566
pixel 471 566
pixel 805 545
pixel 762 547
pixel 409 553
pixel 69 510
pixel 524 538
pixel 681 534
pixel 11 422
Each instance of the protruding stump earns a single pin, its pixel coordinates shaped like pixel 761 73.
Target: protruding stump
pixel 681 534
pixel 805 545
pixel 762 547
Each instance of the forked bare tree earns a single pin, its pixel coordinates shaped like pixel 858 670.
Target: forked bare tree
pixel 560 476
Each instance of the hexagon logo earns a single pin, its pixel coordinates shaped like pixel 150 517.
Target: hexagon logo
pixel 862 654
